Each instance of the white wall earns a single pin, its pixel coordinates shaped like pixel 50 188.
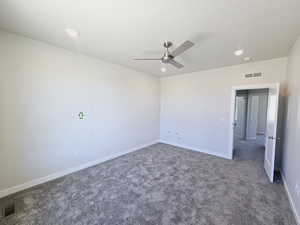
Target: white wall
pixel 252 115
pixel 42 90
pixel 257 112
pixel 240 114
pixel 262 111
pixel 195 107
pixel 291 153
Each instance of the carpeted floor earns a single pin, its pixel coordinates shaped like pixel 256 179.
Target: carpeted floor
pixel 158 185
pixel 250 149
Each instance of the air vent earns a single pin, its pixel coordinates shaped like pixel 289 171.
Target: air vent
pixel 251 75
pixel 257 74
pixel 8 209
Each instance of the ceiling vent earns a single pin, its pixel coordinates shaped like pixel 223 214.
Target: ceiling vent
pixel 251 75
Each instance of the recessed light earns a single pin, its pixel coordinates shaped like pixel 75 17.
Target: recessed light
pixel 239 52
pixel 247 59
pixel 163 69
pixel 72 33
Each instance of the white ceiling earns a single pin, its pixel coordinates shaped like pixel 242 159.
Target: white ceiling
pixel 117 31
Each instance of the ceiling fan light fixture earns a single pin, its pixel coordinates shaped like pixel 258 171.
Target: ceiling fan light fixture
pixel 163 69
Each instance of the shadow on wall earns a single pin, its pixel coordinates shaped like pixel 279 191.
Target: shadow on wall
pixel 281 124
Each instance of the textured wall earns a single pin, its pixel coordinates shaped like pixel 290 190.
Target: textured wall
pixel 195 107
pixel 291 153
pixel 42 90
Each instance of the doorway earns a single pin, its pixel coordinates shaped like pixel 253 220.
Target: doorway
pixel 254 110
pixel 250 119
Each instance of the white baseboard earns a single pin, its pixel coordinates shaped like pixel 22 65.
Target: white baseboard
pixel 285 184
pixel 196 149
pixel 59 174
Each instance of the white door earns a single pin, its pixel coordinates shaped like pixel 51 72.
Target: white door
pixel 271 131
pixel 240 116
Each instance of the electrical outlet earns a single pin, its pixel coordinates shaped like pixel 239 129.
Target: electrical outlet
pixel 297 190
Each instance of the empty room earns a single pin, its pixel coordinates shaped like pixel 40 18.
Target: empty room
pixel 149 112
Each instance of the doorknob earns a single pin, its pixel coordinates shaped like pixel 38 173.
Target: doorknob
pixel 271 138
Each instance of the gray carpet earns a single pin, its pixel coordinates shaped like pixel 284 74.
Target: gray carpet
pixel 250 149
pixel 158 185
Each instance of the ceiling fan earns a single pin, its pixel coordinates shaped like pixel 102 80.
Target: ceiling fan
pixel 168 57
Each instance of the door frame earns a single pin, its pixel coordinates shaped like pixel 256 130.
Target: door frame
pixel 232 110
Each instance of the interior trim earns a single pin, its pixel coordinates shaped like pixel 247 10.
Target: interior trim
pixel 62 173
pixel 286 187
pixel 197 149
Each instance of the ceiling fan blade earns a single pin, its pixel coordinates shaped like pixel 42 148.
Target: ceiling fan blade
pixel 145 59
pixel 183 47
pixel 176 64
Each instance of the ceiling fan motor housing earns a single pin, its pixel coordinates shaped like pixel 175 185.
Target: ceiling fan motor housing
pixel 167 57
